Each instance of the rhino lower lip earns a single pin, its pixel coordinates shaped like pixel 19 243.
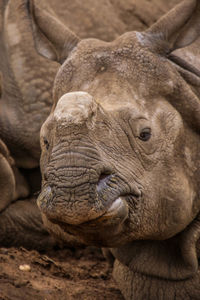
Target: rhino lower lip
pixel 116 213
pixel 115 207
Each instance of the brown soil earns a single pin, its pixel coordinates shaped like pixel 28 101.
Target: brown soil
pixel 60 274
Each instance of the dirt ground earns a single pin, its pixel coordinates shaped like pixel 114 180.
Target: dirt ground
pixel 60 274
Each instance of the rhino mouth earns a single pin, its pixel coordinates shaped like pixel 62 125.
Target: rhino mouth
pixel 115 208
pixel 99 225
pixel 111 208
pixel 104 231
pixel 115 214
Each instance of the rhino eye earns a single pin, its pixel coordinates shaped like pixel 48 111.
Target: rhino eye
pixel 145 134
pixel 46 143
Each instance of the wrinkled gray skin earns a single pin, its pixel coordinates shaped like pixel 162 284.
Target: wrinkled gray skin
pixel 26 80
pixel 120 152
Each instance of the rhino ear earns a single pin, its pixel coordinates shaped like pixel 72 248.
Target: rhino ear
pixel 52 38
pixel 178 28
pixel 32 29
pixel 176 36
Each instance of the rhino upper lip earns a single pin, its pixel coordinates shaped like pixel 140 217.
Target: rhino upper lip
pixel 108 187
pixel 118 203
pixel 117 209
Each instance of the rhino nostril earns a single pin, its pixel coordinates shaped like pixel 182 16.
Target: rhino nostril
pixel 45 176
pixel 103 179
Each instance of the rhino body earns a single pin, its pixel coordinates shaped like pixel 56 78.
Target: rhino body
pixel 120 155
pixel 26 81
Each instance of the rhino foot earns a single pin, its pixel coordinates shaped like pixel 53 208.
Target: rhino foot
pixel 21 225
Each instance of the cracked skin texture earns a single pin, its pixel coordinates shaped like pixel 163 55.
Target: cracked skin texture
pixel 120 163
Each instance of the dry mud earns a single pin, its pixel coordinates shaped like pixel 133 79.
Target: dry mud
pixel 65 274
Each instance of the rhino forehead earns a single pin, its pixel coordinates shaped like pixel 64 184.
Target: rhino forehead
pixel 117 65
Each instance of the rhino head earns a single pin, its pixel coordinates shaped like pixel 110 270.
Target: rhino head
pixel 120 149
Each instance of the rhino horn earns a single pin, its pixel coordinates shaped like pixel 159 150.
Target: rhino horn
pixel 53 39
pixel 178 28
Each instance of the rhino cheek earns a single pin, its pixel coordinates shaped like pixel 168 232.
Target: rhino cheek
pixel 169 211
pixel 181 201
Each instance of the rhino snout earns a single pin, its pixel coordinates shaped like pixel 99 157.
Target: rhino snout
pixel 83 202
pixel 75 108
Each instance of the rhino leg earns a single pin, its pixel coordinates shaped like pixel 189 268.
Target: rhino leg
pixel 21 225
pixel 108 255
pixel 7 182
pixel 12 183
pixel 22 189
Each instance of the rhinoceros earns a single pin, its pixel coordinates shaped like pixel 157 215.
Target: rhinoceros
pixel 120 155
pixel 26 80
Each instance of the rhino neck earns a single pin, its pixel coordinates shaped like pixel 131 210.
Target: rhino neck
pixel 168 267
pixel 172 259
pixel 136 286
